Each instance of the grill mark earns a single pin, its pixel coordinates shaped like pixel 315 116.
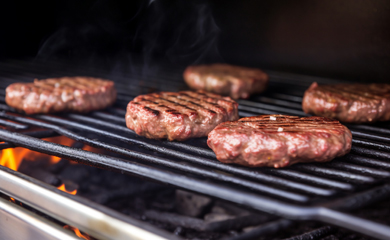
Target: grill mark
pixel 51 84
pixel 40 88
pixel 162 108
pixel 147 100
pixel 191 102
pixel 288 119
pixel 180 103
pixel 173 111
pixel 295 121
pixel 179 108
pixel 45 88
pixel 176 103
pixel 301 128
pixel 353 94
pixel 153 111
pixel 345 94
pixel 76 84
pixel 83 83
pixel 198 110
pixel 287 128
pixel 86 83
pixel 285 117
pixel 169 109
pixel 221 103
pixel 288 123
pixel 147 103
pixel 199 101
pixel 213 96
pixel 291 124
pixel 68 84
pixel 360 89
pixel 284 122
pixel 65 87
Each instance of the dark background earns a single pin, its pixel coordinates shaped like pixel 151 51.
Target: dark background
pixel 347 39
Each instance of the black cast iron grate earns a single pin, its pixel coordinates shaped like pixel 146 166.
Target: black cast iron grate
pixel 302 192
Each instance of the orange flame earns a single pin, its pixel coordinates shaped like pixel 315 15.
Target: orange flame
pixel 60 140
pixel 12 158
pixel 62 188
pixel 54 159
pixel 12 199
pixel 77 232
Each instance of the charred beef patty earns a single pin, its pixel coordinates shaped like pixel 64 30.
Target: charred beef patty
pixel 179 115
pixel 352 103
pixel 279 140
pixel 73 94
pixel 236 82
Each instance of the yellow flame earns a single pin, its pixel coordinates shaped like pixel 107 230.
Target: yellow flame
pixel 8 159
pixel 62 188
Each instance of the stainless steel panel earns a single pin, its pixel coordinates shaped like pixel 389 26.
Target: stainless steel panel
pixel 17 223
pixel 96 220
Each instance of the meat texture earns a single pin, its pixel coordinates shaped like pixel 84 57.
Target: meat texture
pixel 351 103
pixel 179 115
pixel 279 140
pixel 234 81
pixel 68 94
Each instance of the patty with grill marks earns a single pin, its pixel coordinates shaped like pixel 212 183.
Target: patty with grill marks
pixel 351 103
pixel 234 81
pixel 179 115
pixel 65 94
pixel 279 140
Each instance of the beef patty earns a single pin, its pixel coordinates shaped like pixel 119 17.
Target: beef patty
pixel 75 94
pixel 353 103
pixel 179 115
pixel 236 82
pixel 279 140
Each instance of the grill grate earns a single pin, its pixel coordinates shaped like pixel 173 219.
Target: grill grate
pixel 302 191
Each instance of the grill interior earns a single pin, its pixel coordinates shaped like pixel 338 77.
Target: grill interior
pixel 301 192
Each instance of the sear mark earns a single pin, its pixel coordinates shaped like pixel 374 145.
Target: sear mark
pixel 154 112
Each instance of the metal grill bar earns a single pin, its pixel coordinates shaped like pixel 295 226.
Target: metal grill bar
pixel 315 180
pixel 121 120
pixel 264 229
pixel 366 161
pixel 36 134
pixel 366 170
pixel 284 97
pixel 167 162
pixel 334 172
pixel 370 152
pixel 12 125
pixel 102 124
pixel 310 178
pixel 105 124
pixel 258 202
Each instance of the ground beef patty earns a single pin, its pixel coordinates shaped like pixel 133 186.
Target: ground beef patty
pixel 179 115
pixel 353 103
pixel 279 140
pixel 236 82
pixel 74 94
